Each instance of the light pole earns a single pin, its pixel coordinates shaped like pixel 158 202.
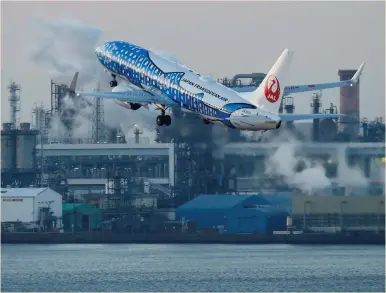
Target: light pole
pixel 382 209
pixel 304 213
pixel 41 160
pixel 341 214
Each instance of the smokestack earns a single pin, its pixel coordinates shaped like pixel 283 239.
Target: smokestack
pixel 14 99
pixel 349 104
pixel 137 132
pixel 316 104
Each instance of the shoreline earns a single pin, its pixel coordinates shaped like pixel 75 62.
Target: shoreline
pixel 186 238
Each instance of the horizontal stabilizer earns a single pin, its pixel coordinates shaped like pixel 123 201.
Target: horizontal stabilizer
pixel 294 117
pixel 291 89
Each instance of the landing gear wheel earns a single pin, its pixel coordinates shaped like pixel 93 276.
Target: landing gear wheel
pixel 164 120
pixel 167 120
pixel 113 83
pixel 160 120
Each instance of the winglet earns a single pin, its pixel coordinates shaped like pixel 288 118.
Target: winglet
pixel 74 81
pixel 355 78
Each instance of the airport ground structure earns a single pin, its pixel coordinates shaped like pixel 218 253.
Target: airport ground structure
pixel 111 183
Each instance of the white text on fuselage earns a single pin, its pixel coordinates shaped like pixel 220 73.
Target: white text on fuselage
pixel 205 90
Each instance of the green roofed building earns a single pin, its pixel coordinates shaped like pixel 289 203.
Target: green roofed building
pixel 83 216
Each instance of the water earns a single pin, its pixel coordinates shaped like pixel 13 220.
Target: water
pixel 190 267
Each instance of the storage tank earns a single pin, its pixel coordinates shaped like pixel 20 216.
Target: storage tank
pixel 26 148
pixel 349 104
pixel 8 147
pixel 7 126
pixel 25 126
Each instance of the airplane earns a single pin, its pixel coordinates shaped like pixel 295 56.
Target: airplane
pixel 156 78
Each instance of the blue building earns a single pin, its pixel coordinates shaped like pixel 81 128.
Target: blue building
pixel 236 214
pixel 279 199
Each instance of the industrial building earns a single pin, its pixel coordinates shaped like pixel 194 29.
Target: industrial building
pixel 30 205
pixel 80 217
pixel 335 157
pixel 127 179
pixel 18 155
pixel 234 214
pixel 338 213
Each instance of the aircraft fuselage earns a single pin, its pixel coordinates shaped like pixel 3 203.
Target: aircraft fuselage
pixel 181 87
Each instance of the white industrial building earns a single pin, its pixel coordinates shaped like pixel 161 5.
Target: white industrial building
pixel 25 204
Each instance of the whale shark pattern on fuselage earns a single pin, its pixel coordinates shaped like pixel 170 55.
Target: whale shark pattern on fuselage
pixel 138 66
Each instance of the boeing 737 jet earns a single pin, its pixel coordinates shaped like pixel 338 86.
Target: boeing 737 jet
pixel 155 78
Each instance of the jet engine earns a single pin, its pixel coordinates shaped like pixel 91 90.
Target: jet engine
pixel 127 105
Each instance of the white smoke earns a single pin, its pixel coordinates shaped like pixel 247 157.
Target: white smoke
pixel 127 120
pixel 284 163
pixel 80 123
pixel 283 133
pixel 311 178
pixel 66 46
pixel 350 175
pixel 145 136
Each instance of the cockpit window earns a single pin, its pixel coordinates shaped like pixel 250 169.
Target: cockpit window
pixel 237 106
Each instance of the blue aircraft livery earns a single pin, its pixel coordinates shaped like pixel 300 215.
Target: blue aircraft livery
pixel 155 78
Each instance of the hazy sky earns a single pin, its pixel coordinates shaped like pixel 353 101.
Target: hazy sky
pixel 218 38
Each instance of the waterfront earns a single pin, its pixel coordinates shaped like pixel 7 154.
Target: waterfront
pixel 192 267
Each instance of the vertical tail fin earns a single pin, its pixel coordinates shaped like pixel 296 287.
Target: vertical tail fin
pixel 270 92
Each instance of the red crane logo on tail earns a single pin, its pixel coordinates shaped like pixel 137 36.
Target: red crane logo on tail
pixel 272 89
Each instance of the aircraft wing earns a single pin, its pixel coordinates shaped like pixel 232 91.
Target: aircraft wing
pixel 131 97
pixel 321 86
pixel 290 117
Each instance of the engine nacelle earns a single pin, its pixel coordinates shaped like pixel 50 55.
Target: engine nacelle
pixel 127 105
pixel 135 106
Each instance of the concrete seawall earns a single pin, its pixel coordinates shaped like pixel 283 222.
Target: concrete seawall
pixel 98 237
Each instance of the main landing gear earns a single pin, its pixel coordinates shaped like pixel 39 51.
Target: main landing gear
pixel 114 82
pixel 164 119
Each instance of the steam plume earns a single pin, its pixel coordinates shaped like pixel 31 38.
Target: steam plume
pixel 66 46
pixel 72 122
pixel 285 162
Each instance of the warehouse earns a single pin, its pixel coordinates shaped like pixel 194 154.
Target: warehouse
pixel 80 217
pixel 234 214
pixel 339 213
pixel 29 205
